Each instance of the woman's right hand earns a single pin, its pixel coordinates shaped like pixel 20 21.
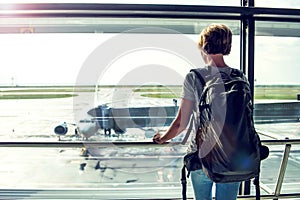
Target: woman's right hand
pixel 157 138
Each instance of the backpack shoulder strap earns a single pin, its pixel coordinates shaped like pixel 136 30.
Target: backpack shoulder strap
pixel 200 73
pixel 183 183
pixel 236 73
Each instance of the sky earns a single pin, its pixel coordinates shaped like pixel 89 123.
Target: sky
pixel 43 58
pixel 58 59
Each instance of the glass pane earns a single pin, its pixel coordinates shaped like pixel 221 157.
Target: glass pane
pixel 64 76
pixel 39 68
pixel 277 83
pixel 41 83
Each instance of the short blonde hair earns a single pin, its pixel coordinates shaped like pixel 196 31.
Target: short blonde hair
pixel 216 39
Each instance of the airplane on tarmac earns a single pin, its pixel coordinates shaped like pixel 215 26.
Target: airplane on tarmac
pixel 107 119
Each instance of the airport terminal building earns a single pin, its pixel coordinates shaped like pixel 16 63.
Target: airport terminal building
pixel 84 86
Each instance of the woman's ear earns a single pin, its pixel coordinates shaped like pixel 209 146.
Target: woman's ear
pixel 205 56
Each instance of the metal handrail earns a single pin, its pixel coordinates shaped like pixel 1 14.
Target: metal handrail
pixel 70 144
pixel 282 169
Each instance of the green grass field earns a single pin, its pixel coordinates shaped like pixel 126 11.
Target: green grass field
pixel 274 92
pixel 36 92
pixel 277 92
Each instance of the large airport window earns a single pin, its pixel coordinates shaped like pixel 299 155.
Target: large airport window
pixel 276 91
pixel 83 89
pixel 111 80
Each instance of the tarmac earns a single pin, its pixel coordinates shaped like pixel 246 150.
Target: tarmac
pixel 124 173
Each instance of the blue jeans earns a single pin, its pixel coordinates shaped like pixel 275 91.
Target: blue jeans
pixel 202 186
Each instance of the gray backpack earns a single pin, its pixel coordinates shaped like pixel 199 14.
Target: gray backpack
pixel 229 148
pixel 227 141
